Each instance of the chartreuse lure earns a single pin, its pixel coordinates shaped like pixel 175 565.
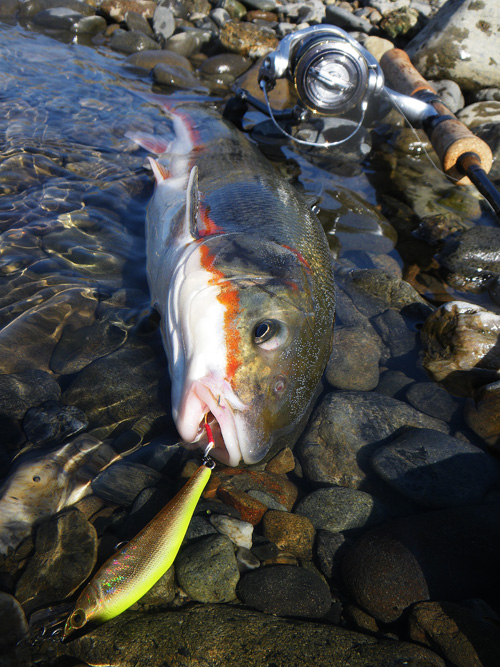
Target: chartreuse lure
pixel 127 575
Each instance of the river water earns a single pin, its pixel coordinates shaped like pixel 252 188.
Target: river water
pixel 74 191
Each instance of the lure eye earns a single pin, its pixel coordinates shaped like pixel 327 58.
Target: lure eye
pixel 78 618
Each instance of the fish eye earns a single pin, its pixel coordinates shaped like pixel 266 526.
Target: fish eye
pixel 36 478
pixel 78 618
pixel 264 331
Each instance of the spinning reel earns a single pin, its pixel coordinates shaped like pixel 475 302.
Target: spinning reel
pixel 336 77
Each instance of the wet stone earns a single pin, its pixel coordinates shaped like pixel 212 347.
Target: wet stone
pixel 394 384
pixel 235 9
pixel 177 77
pixel 459 633
pixel 483 414
pixel 247 39
pixel 13 623
pixel 65 555
pixel 290 532
pixel 338 509
pixel 345 430
pixel 346 19
pixel 21 391
pixel 207 570
pixel 263 5
pixel 148 59
pixel 285 590
pixel 283 462
pixel 460 342
pixel 330 550
pixel 395 332
pixel 354 362
pixel 136 21
pixel 28 8
pixel 63 18
pixel 52 422
pixel 239 532
pixel 448 554
pixel 473 259
pixel 436 470
pixel 121 483
pixel 186 44
pixel 117 9
pixel 9 8
pixel 131 41
pixel 225 63
pixel 220 16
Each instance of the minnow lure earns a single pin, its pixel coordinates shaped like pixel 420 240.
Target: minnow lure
pixel 130 572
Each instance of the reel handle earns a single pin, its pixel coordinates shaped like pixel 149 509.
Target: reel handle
pixel 450 138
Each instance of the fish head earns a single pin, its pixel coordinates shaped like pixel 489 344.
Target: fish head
pixel 254 370
pixel 88 605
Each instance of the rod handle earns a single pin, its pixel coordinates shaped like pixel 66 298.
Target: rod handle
pixel 450 138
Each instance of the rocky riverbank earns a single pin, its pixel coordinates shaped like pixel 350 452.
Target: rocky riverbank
pixel 373 539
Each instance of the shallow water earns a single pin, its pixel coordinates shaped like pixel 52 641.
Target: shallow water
pixel 74 191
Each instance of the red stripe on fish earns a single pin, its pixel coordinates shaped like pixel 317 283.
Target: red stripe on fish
pixel 211 227
pixel 299 256
pixel 229 298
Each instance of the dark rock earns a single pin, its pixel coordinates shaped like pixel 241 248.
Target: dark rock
pixel 343 18
pixel 395 333
pixel 219 16
pixel 51 423
pixel 258 640
pixel 65 555
pixel 177 77
pixel 148 59
pixel 433 400
pixel 483 414
pixel 330 550
pixel 21 391
pixel 394 384
pixel 225 63
pixel 472 260
pixel 354 361
pixel 207 570
pixel 136 21
pixel 448 554
pixel 9 8
pixel 345 430
pixel 123 481
pixel 185 44
pixel 235 9
pixel 290 532
pixel 131 41
pixel 337 509
pixel 434 469
pixel 460 634
pixel 63 18
pixel 163 591
pixel 13 623
pixel 285 590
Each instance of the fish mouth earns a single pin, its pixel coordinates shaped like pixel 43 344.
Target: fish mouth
pixel 214 402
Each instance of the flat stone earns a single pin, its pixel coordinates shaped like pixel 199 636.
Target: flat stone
pixel 21 391
pixel 448 554
pixel 65 556
pixel 283 462
pixel 176 77
pixel 163 22
pixel 136 21
pixel 354 362
pixel 433 400
pixel 337 509
pixel 228 631
pixel 434 469
pixel 130 41
pixel 290 532
pixel 207 570
pixel 285 590
pixel 121 483
pixel 247 39
pixel 185 44
pixel 51 423
pixel 28 8
pixel 148 59
pixel 342 18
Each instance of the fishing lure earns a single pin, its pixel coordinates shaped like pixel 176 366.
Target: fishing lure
pixel 130 572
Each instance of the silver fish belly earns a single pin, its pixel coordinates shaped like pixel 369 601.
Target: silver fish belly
pixel 240 271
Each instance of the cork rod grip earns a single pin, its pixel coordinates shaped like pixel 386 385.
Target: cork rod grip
pixel 450 138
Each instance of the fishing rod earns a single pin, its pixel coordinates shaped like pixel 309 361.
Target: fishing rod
pixel 334 76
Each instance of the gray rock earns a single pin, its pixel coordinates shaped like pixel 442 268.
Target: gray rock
pixel 130 41
pixel 64 18
pixel 136 21
pixel 345 430
pixel 473 259
pixel 199 526
pixel 219 16
pixel 51 423
pixel 148 59
pixel 177 77
pixel 346 20
pixel 28 8
pixel 354 362
pixel 163 23
pixel 123 481
pixel 330 550
pixel 13 623
pixel 263 5
pixel 480 113
pixel 207 570
pixel 394 384
pixel 488 94
pixel 448 554
pixel 65 555
pixel 228 631
pixel 433 400
pixel 285 590
pixel 185 44
pixel 225 63
pixel 21 391
pixel 434 469
pixel 395 332
pixel 8 8
pixel 163 591
pixel 457 42
pixel 337 509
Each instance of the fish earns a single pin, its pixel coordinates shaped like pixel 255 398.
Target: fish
pixel 241 274
pixel 40 485
pixel 130 572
